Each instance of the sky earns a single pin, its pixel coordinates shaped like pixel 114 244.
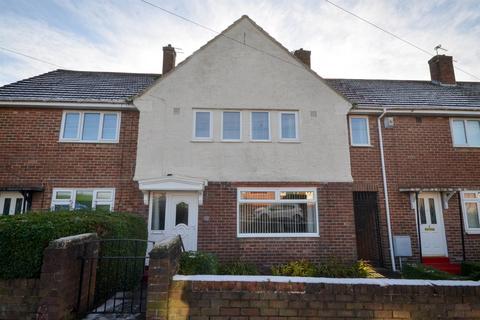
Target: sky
pixel 128 35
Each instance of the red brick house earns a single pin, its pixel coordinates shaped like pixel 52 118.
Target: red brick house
pixel 431 139
pixel 253 156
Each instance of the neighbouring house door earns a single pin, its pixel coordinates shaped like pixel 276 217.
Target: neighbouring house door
pixel 367 227
pixel 432 231
pixel 174 213
pixel 11 203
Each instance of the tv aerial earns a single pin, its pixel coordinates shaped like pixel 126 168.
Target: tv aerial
pixel 439 47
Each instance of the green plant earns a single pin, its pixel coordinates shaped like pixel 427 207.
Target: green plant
pixel 471 270
pixel 198 263
pixel 238 268
pixel 336 269
pixel 299 268
pixel 24 237
pixel 419 271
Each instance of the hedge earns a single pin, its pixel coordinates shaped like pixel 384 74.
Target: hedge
pixel 24 237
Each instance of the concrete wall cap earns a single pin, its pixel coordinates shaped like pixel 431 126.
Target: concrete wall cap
pixel 72 240
pixel 163 247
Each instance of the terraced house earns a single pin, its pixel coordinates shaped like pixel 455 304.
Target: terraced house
pixel 249 154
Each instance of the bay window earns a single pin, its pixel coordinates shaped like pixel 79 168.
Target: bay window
pixel 83 199
pixel 277 212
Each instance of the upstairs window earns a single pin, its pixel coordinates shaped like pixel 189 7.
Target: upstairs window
pixel 466 132
pixel 202 125
pixel 359 131
pixel 231 126
pixel 471 210
pixel 260 126
pixel 277 212
pixel 83 199
pixel 288 126
pixel 85 126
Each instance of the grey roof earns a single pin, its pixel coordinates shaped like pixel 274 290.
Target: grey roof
pixel 403 93
pixel 78 86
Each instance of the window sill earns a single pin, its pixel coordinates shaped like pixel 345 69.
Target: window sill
pixel 201 140
pixel 289 141
pixel 292 235
pixel 231 141
pixel 261 141
pixel 473 231
pixel 466 147
pixel 88 142
pixel 361 145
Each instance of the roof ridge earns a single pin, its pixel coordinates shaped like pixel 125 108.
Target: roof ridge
pixel 111 72
pixel 395 80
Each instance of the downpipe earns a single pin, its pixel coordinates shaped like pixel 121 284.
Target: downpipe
pixel 385 188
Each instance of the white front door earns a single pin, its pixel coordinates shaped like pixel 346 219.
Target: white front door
pixel 432 230
pixel 174 213
pixel 11 203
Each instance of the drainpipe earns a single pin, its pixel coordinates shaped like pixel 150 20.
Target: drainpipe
pixel 385 188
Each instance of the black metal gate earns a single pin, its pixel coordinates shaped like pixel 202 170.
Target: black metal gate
pixel 116 282
pixel 367 227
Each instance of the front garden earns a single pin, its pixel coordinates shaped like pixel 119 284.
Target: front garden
pixel 202 263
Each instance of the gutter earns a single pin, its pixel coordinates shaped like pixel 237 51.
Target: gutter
pixel 385 188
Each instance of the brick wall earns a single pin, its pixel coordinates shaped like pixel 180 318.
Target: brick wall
pixel 418 153
pixel 217 227
pixel 32 155
pixel 292 300
pixel 19 298
pixel 267 297
pixel 55 294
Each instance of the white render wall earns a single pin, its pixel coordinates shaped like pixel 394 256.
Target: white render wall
pixel 228 75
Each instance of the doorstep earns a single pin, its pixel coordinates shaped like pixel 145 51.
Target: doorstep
pixel 442 264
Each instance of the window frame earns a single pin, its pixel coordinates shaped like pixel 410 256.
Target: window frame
pixel 269 127
pixel 277 199
pixel 369 143
pixel 210 131
pixel 464 210
pixel 281 138
pixel 78 138
pixel 465 131
pixel 241 127
pixel 73 195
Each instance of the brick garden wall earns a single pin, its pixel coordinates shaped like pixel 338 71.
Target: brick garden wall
pixel 54 295
pixel 418 153
pixel 32 155
pixel 267 297
pixel 19 298
pixel 217 226
pixel 300 300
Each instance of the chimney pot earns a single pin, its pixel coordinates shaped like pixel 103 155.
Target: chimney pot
pixel 169 56
pixel 441 70
pixel 303 55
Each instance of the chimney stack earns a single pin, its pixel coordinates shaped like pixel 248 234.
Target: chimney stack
pixel 441 70
pixel 303 55
pixel 169 56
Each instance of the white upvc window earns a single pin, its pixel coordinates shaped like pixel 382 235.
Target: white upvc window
pixel 83 199
pixel 465 132
pixel 90 126
pixel 288 125
pixel 260 126
pixel 359 131
pixel 202 125
pixel 231 126
pixel 277 212
pixel 471 211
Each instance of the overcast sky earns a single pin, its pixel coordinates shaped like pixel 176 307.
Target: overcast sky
pixel 128 35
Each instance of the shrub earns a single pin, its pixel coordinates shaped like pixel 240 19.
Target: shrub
pixel 198 263
pixel 24 237
pixel 471 270
pixel 238 268
pixel 299 268
pixel 419 271
pixel 337 269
